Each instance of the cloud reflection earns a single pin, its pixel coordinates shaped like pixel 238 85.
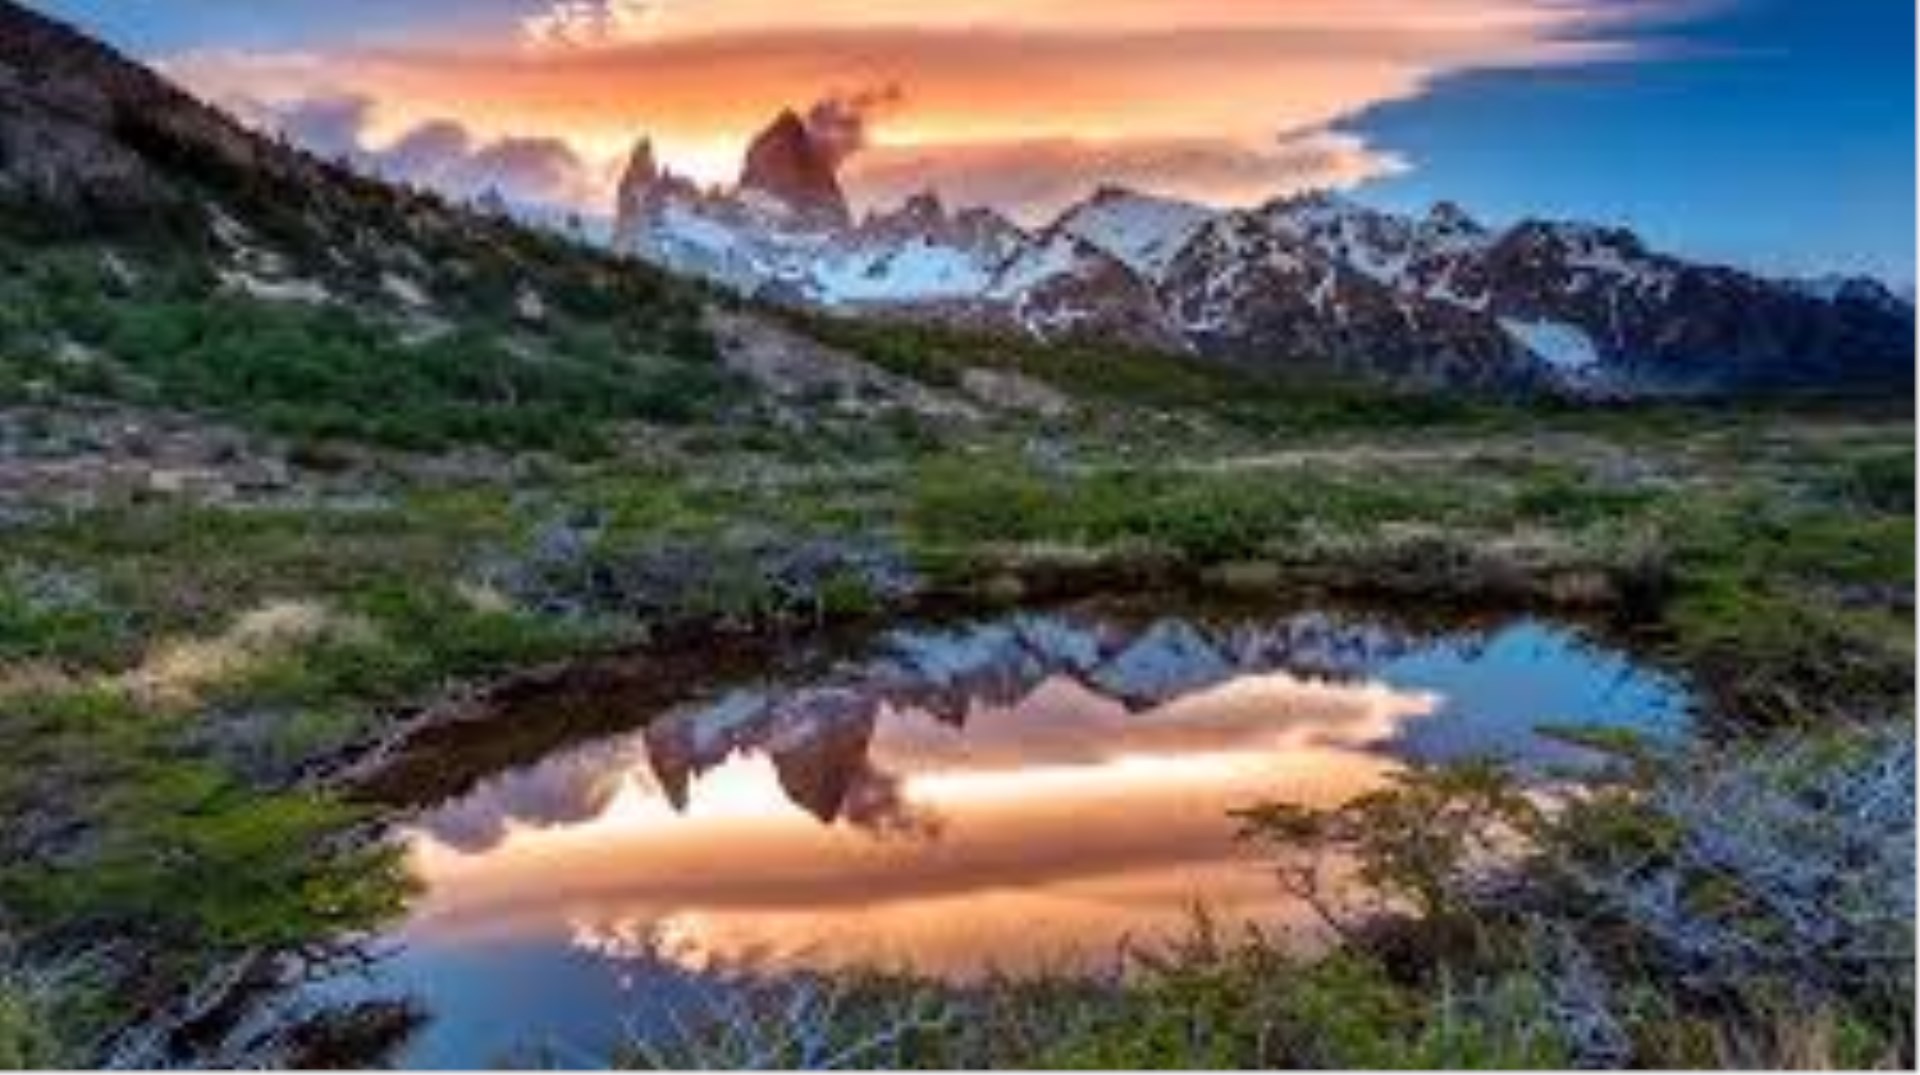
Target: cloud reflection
pixel 943 805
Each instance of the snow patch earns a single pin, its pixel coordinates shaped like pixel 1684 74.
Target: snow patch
pixel 405 290
pixel 1059 255
pixel 307 291
pixel 1142 232
pixel 1567 348
pixel 918 270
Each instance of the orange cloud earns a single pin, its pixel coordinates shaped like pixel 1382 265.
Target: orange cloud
pixel 1034 180
pixel 1113 80
pixel 617 21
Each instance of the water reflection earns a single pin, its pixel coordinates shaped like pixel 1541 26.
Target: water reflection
pixel 1008 795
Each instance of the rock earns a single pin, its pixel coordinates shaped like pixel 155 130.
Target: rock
pixel 530 307
pixel 409 293
pixel 643 171
pixel 492 203
pixel 638 185
pixel 1250 578
pixel 797 369
pixel 787 165
pixel 181 482
pixel 1009 391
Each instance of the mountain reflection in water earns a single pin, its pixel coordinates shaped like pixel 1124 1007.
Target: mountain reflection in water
pixel 1014 795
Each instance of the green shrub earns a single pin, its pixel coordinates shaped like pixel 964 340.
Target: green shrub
pixel 1882 482
pixel 36 1022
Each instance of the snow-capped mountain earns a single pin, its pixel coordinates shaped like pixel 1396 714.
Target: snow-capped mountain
pixel 1316 280
pixel 920 253
pixel 1144 232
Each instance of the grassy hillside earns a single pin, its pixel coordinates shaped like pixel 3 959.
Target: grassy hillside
pixel 421 340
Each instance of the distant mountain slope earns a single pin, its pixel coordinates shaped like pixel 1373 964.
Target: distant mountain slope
pixel 1145 233
pixel 1315 280
pixel 152 248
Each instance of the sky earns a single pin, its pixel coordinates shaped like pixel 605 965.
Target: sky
pixel 1776 134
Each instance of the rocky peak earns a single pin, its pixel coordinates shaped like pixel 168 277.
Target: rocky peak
pixel 643 170
pixel 1316 278
pixel 1108 193
pixel 1864 290
pixel 1313 206
pixel 981 235
pixel 1342 227
pixel 1144 231
pixel 788 165
pixel 1450 220
pixel 921 216
pixel 1568 238
pixel 925 207
pixel 987 228
pixel 637 187
pixel 493 204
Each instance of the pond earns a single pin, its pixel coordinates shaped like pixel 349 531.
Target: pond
pixel 1016 794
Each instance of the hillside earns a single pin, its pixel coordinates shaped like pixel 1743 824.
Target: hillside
pixel 156 252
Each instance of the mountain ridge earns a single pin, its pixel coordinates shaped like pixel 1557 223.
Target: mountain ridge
pixel 1440 299
pixel 1313 281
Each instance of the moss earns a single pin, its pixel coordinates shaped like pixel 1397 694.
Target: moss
pixel 1203 517
pixel 191 862
pixel 38 1028
pixel 1561 497
pixel 1795 613
pixel 57 617
pixel 1881 481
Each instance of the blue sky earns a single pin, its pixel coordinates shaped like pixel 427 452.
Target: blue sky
pixel 1777 134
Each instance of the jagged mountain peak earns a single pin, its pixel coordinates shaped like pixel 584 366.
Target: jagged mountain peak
pixel 641 176
pixel 788 165
pixel 1448 218
pixel 1144 231
pixel 924 209
pixel 647 191
pixel 642 165
pixel 1316 278
pixel 925 219
pixel 1117 192
pixel 1315 205
pixel 1580 236
pixel 1842 288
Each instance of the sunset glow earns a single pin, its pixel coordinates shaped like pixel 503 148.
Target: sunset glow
pixel 1235 101
pixel 744 873
pixel 1512 108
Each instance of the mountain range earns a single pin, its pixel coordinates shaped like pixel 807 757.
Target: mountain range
pixel 1317 279
pixel 91 142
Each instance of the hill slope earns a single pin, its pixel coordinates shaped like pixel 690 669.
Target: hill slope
pixel 154 250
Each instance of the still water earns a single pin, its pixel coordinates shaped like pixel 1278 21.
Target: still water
pixel 1020 794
